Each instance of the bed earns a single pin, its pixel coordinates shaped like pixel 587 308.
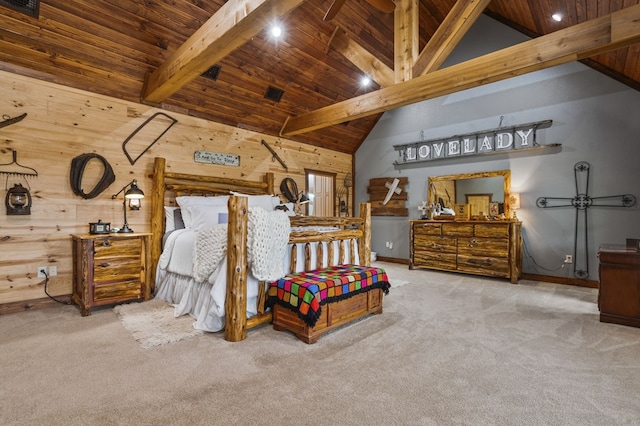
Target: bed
pixel 313 242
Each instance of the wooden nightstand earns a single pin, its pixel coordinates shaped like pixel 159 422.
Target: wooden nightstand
pixel 619 293
pixel 110 269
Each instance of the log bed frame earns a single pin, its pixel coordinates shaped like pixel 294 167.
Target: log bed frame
pixel 168 185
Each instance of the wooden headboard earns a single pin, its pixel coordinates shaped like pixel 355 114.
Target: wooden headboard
pixel 168 185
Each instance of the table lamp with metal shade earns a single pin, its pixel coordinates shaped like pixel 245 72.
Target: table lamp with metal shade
pixel 134 195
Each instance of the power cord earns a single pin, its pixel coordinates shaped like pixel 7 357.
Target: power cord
pixel 46 281
pixel 530 256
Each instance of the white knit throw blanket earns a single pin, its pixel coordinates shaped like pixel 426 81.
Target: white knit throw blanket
pixel 209 249
pixel 267 238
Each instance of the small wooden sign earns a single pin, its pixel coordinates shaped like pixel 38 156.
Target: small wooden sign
pixel 216 158
pixel 379 190
pixel 463 211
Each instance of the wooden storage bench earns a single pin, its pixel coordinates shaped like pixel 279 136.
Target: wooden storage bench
pixel 312 303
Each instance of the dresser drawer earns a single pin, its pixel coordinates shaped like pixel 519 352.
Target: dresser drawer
pixel 457 229
pixel 489 247
pixel 112 269
pixel 435 260
pixel 492 266
pixel 431 243
pixel 427 228
pixel 111 248
pixel 107 293
pixel 494 230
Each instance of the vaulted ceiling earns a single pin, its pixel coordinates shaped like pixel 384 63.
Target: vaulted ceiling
pixel 128 48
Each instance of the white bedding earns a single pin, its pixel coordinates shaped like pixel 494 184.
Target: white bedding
pixel 204 301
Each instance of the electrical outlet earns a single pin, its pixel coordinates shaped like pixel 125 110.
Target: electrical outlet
pixel 53 271
pixel 568 258
pixel 42 271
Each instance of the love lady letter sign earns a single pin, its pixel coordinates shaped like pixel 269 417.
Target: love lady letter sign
pixel 493 141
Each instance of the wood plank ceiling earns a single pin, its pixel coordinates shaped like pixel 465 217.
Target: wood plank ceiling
pixel 110 46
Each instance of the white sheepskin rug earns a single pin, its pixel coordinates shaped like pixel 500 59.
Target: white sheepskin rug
pixel 152 323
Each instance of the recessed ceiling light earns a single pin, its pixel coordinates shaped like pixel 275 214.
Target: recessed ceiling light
pixel 365 81
pixel 276 31
pixel 557 17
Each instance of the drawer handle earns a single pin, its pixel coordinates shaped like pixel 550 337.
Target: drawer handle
pixel 106 243
pixel 484 262
pixel 104 264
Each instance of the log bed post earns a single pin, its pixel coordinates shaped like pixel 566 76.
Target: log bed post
pixel 157 218
pixel 236 301
pixel 365 246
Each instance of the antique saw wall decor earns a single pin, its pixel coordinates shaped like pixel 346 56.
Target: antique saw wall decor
pixel 522 137
pixel 388 196
pixel 154 128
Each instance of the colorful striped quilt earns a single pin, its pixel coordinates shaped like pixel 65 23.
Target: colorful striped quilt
pixel 306 292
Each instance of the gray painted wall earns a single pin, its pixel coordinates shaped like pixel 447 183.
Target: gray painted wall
pixel 595 118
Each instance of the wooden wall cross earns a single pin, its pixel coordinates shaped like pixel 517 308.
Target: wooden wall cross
pixel 582 202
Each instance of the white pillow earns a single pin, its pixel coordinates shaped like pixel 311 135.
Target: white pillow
pixel 196 200
pixel 203 216
pixel 267 202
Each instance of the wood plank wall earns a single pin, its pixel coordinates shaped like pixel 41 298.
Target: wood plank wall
pixel 63 123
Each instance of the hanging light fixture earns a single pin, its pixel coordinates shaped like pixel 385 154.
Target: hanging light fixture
pixel 18 200
pixel 131 194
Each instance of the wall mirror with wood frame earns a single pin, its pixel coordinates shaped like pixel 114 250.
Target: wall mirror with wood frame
pixel 477 189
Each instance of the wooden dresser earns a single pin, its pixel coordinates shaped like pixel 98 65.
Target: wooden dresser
pixel 619 294
pixel 109 269
pixel 491 248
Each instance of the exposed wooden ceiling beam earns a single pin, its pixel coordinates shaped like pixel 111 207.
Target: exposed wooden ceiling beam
pixel 461 17
pixel 361 58
pixel 405 38
pixel 614 31
pixel 233 25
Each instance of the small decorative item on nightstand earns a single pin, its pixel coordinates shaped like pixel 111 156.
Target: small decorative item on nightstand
pixel 99 227
pixel 633 243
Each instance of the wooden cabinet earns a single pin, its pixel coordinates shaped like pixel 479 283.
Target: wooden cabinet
pixel 109 269
pixel 619 294
pixel 474 247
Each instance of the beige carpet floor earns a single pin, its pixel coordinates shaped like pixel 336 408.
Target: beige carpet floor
pixel 448 350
